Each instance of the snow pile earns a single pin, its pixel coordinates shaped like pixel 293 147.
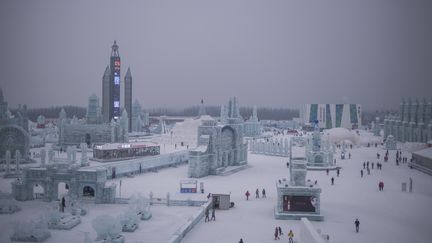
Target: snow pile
pixel 368 137
pixel 186 132
pixel 339 135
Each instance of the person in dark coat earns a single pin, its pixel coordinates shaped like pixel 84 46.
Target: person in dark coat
pixel 207 215
pixel 263 193
pixel 276 234
pixel 361 173
pixel 257 193
pixel 213 217
pixel 337 172
pixel 332 180
pixel 357 225
pixel 247 194
pixel 241 240
pixel 63 204
pixel 280 230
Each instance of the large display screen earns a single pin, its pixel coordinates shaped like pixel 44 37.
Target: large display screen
pixel 299 203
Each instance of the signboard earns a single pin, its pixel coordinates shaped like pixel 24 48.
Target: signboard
pixel 188 186
pixel 299 203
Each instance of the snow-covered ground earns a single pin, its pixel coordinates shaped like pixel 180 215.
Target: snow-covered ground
pixel 385 216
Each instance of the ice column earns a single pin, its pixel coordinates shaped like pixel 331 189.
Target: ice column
pixel 43 157
pixel 8 160
pixel 17 160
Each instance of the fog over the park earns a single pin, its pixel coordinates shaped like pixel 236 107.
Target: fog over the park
pixel 275 53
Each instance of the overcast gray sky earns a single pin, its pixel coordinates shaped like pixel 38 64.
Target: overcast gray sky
pixel 269 53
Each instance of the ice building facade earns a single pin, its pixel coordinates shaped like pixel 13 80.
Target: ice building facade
pixel 74 132
pixel 412 124
pixel 93 115
pixel 14 135
pixel 81 183
pixel 252 127
pixel 220 144
pixel 319 153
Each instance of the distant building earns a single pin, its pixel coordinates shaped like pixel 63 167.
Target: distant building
pixel 333 115
pixel 412 124
pixel 128 96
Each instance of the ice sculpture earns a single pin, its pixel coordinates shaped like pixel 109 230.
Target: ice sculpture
pixel 62 221
pixel 84 158
pixel 298 197
pixel 51 154
pixel 108 229
pixel 33 231
pixel 7 204
pixel 141 206
pixel 129 220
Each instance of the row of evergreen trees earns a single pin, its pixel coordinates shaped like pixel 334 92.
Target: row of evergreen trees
pixel 245 112
pixel 263 112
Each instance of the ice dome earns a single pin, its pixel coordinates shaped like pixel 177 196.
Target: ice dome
pixel 339 135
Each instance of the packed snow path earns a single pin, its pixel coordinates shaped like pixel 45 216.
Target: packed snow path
pixel 385 216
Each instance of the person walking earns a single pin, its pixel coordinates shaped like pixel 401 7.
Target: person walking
pixel 276 234
pixel 280 230
pixel 247 195
pixel 213 217
pixel 207 215
pixel 368 170
pixel 361 173
pixel 364 165
pixel 63 204
pixel 257 193
pixel 357 225
pixel 327 171
pixel 290 236
pixel 337 172
pixel 241 240
pixel 263 193
pixel 332 181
